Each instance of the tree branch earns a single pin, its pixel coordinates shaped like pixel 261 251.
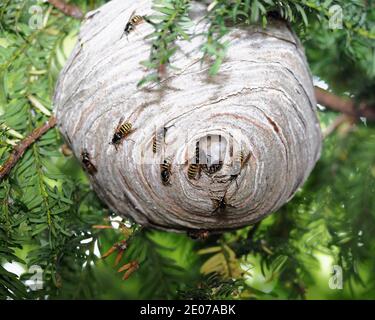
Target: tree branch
pixel 345 105
pixel 340 119
pixel 20 149
pixel 68 9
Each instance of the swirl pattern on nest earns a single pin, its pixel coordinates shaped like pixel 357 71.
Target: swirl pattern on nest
pixel 260 109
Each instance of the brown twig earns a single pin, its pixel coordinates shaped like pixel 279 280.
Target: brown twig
pixel 20 149
pixel 345 105
pixel 68 9
pixel 341 119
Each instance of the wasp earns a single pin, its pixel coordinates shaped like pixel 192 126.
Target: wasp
pixel 155 144
pixel 157 140
pixel 165 172
pixel 242 160
pixel 194 169
pixel 121 132
pixel 85 157
pixel 221 204
pixel 133 21
pixel 198 234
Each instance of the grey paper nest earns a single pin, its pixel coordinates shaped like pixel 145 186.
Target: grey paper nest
pixel 261 106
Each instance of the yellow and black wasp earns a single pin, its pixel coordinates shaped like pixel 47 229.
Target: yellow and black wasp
pixel 194 169
pixel 158 140
pixel 242 160
pixel 221 204
pixel 133 22
pixel 122 130
pixel 165 171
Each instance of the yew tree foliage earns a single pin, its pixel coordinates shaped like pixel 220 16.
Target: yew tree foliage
pixel 48 209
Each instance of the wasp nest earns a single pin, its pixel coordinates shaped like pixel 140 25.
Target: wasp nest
pixel 194 152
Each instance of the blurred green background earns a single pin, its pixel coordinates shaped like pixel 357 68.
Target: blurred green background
pixel 49 212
